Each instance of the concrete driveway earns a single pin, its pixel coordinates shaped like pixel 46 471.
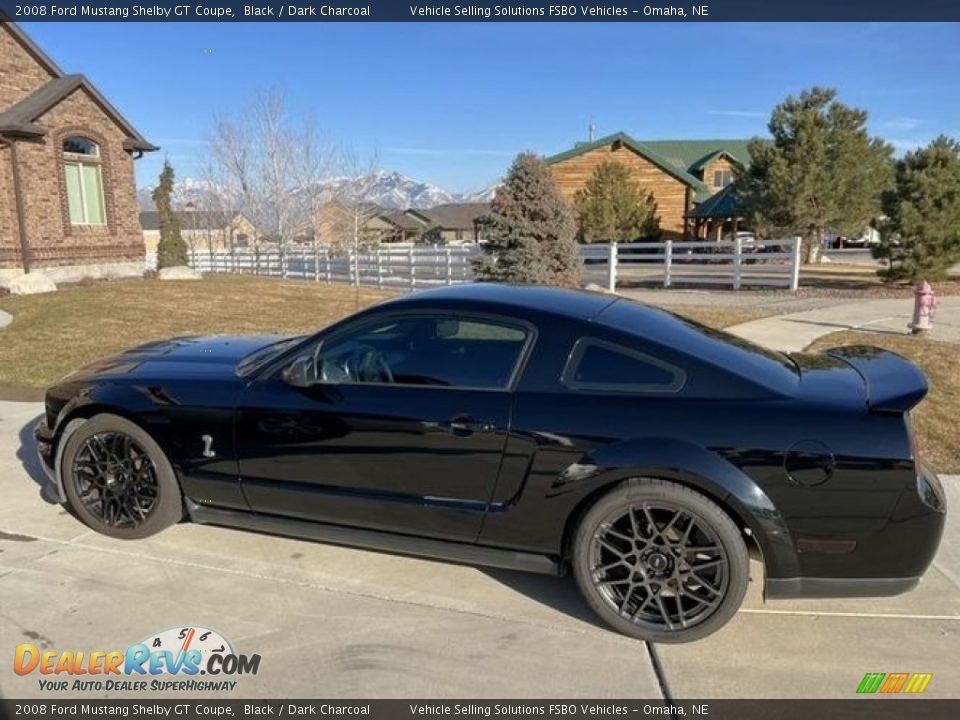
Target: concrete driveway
pixel 335 622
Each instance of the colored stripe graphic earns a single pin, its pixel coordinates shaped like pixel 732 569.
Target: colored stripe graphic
pixel 918 682
pixel 871 682
pixel 894 682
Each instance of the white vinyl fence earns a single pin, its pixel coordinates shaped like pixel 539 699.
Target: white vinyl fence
pixel 733 263
pixel 408 267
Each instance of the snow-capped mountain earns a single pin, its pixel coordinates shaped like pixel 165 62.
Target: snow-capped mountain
pixel 385 188
pixel 201 193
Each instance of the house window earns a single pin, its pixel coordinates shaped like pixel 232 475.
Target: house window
pixel 722 178
pixel 459 235
pixel 84 181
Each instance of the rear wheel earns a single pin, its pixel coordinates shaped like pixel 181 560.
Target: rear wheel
pixel 117 479
pixel 660 562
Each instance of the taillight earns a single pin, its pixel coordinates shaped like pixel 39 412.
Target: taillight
pixel 931 491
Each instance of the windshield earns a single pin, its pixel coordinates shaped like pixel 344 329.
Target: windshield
pixel 251 363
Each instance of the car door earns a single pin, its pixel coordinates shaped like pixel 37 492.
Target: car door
pixel 396 423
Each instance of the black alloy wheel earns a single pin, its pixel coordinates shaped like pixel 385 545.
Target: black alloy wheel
pixel 660 562
pixel 658 565
pixel 117 479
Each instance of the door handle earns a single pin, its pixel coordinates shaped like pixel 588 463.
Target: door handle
pixel 464 426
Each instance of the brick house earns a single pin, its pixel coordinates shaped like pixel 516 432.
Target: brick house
pixel 681 174
pixel 68 201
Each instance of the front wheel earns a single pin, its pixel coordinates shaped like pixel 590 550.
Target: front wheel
pixel 660 562
pixel 117 479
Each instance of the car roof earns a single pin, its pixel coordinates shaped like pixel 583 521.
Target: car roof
pixel 515 299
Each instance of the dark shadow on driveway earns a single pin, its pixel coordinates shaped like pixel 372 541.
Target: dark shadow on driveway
pixel 27 455
pixel 560 593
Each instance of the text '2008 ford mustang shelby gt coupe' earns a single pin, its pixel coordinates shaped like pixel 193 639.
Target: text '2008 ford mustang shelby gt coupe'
pixel 528 428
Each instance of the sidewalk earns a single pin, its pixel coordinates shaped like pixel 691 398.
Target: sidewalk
pixel 795 331
pixel 778 303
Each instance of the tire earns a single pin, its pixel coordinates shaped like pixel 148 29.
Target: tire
pixel 677 584
pixel 111 457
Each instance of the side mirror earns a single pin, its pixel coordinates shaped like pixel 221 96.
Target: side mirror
pixel 300 372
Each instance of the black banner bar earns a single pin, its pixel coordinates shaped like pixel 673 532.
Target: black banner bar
pixel 873 708
pixel 445 11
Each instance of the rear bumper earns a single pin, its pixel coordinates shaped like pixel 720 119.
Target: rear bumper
pixel 908 547
pixel 786 588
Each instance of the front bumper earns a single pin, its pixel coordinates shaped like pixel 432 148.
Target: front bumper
pixel 44 437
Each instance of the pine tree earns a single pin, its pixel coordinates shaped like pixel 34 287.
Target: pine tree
pixel 821 171
pixel 921 239
pixel 530 230
pixel 171 249
pixel 613 207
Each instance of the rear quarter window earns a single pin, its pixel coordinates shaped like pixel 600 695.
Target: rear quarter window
pixel 600 365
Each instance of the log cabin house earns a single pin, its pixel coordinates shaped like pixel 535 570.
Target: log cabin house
pixel 681 174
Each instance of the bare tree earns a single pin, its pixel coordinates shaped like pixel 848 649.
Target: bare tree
pixel 271 166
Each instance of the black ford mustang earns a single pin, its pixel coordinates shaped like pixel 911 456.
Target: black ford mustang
pixel 527 428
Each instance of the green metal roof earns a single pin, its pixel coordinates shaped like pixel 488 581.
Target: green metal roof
pixel 725 204
pixel 692 155
pixel 640 148
pixel 681 159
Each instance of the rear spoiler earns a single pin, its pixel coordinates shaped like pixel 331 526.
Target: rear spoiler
pixel 893 383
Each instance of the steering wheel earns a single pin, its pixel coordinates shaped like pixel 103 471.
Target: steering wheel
pixel 371 366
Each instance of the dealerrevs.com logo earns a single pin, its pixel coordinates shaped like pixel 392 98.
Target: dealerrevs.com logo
pixel 169 661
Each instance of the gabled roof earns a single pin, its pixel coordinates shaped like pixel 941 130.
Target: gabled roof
pixel 403 220
pixel 19 119
pixel 693 155
pixel 682 159
pixel 725 204
pixel 453 216
pixel 640 148
pixel 32 48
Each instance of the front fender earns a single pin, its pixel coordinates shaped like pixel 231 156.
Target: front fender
pixel 696 467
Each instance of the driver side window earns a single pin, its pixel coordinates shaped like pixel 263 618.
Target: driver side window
pixel 431 350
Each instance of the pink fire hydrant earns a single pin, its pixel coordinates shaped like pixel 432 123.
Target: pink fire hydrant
pixel 924 305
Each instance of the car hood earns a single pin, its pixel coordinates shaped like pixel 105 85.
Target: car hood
pixel 197 356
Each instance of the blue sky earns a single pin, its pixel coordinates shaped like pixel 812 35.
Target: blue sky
pixel 452 103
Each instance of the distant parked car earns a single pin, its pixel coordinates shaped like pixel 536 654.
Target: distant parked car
pixel 869 238
pixel 748 241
